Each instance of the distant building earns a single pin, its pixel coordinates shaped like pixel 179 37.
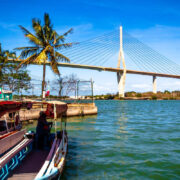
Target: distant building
pixel 5 94
pixel 79 97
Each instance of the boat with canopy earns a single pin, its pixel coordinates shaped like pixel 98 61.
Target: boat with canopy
pixel 19 156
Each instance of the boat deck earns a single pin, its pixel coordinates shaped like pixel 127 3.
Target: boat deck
pixel 30 166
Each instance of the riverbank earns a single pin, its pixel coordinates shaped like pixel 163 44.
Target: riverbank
pixel 132 95
pixel 166 95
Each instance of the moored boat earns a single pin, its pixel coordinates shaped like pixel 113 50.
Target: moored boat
pixel 13 124
pixel 37 164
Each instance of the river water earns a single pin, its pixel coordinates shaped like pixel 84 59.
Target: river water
pixel 126 140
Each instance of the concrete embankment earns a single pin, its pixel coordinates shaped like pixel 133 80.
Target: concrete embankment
pixel 81 109
pixel 74 109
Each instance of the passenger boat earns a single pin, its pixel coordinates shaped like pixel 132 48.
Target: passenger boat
pixel 10 126
pixel 19 156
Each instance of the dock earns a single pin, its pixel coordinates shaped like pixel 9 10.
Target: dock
pixel 74 109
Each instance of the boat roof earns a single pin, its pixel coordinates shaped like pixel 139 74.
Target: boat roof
pixel 12 106
pixel 9 106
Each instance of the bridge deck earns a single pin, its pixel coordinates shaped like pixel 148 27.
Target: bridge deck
pixel 99 68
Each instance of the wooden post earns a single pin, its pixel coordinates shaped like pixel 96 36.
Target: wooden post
pixel 55 118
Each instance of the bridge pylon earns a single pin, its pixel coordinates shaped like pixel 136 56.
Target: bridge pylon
pixel 154 85
pixel 121 76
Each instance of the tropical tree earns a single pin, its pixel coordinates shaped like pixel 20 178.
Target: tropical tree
pixel 45 45
pixel 65 85
pixel 4 55
pixel 9 76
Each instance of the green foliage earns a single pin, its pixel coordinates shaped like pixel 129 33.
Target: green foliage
pixel 130 94
pixel 121 98
pixel 154 97
pixel 138 95
pixel 165 98
pixel 167 92
pixel 9 76
pixel 172 98
pixel 109 96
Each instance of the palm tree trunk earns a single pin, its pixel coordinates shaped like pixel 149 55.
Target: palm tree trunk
pixel 43 82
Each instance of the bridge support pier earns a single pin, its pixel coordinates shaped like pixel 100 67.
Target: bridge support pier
pixel 154 85
pixel 121 83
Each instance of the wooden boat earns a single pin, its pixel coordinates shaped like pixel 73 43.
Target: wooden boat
pixel 10 109
pixel 21 160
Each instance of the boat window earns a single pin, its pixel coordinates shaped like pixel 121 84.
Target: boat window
pixel 2 125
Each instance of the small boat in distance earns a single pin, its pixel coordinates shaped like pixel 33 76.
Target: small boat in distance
pixel 21 159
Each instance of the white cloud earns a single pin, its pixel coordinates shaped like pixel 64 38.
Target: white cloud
pixel 9 27
pixel 176 83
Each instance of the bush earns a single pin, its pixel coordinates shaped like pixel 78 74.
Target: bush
pixel 172 98
pixel 139 95
pixel 154 97
pixel 108 96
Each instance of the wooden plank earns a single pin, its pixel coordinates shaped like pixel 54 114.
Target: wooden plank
pixel 30 166
pixel 7 157
pixel 10 141
pixel 46 163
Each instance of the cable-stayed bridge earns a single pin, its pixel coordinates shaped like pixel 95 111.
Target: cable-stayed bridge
pixel 120 52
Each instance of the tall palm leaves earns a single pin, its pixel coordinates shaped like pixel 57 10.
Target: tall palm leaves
pixel 45 45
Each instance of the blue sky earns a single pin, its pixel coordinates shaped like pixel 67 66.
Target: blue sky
pixel 156 23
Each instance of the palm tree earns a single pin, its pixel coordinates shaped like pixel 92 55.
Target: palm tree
pixel 46 42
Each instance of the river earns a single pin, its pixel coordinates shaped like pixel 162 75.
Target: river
pixel 126 140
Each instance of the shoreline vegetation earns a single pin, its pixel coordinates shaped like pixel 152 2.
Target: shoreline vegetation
pixel 132 95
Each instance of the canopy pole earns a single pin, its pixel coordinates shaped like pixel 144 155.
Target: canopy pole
pixel 6 123
pixel 61 123
pixel 55 117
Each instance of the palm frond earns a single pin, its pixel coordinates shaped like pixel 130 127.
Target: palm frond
pixel 28 60
pixel 38 29
pixel 47 20
pixel 33 39
pixel 69 31
pixel 26 48
pixel 25 31
pixel 47 28
pixel 28 52
pixel 65 45
pixel 62 37
pixel 41 57
pixel 53 38
pixel 54 65
pixel 61 57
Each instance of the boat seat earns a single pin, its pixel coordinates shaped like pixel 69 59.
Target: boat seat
pixel 11 140
pixel 9 155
